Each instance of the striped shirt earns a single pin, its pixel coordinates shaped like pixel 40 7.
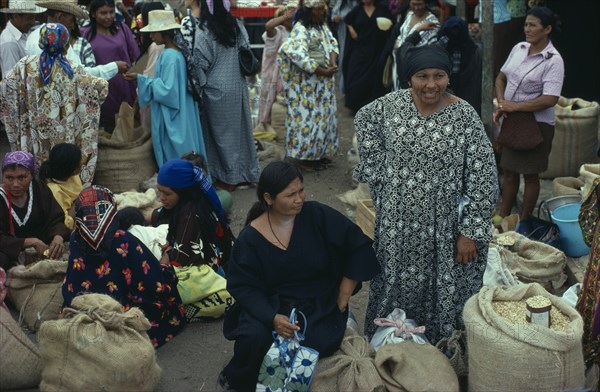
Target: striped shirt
pixel 545 79
pixel 83 50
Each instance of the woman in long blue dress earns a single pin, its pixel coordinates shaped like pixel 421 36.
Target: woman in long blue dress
pixel 176 127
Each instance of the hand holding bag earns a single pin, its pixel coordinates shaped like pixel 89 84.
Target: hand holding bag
pixel 288 366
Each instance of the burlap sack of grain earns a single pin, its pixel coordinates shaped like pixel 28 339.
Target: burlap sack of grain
pixel 352 196
pixel 127 157
pixel 351 368
pixel 97 346
pixel 562 186
pixel 278 115
pixel 409 366
pixel 575 137
pixel 36 291
pixel 270 152
pixel 20 361
pixel 588 173
pixel 525 357
pixel 536 261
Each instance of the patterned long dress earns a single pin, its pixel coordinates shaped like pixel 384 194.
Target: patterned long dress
pixel 216 72
pixel 418 170
pixel 588 303
pixel 311 122
pixel 269 76
pixel 37 116
pixel 131 275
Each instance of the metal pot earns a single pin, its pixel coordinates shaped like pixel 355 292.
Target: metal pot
pixel 547 206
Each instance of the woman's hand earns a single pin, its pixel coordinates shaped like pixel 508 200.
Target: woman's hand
pixel 39 245
pixel 283 327
pixel 336 19
pixel 466 251
pixel 130 76
pixel 56 248
pixel 427 26
pixel 503 108
pixel 326 71
pixel 165 248
pixel 164 260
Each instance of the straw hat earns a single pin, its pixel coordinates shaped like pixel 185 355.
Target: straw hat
pixel 66 6
pixel 160 20
pixel 22 7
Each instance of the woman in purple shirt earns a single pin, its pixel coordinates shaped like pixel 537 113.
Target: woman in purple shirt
pixel 111 41
pixel 529 81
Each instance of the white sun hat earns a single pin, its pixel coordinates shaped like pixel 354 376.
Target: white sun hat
pixel 160 20
pixel 383 24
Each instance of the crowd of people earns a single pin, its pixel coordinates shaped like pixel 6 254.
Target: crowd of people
pixel 413 82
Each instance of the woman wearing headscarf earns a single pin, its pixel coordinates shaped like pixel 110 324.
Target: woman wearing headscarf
pixel 308 65
pixel 29 214
pixel 211 48
pixel 432 175
pixel 106 260
pixel 45 101
pixel 198 237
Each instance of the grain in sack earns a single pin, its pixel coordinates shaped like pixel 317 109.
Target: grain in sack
pixel 36 291
pixel 506 353
pixel 98 346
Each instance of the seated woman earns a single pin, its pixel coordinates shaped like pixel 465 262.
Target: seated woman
pixel 106 260
pixel 291 254
pixel 61 173
pixel 29 215
pixel 199 237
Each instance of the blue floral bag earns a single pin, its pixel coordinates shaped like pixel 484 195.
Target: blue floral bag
pixel 288 366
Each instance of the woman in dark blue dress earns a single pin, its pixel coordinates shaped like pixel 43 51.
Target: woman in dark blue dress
pixel 291 254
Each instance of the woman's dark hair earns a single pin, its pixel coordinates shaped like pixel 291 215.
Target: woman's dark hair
pixel 96 4
pixel 196 159
pixel 547 18
pixel 145 37
pixel 304 16
pixel 221 23
pixel 130 216
pixel 63 162
pixel 273 180
pixel 169 33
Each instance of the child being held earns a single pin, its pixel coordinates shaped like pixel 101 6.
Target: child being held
pixel 61 173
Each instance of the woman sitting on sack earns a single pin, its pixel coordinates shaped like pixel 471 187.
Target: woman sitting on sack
pixel 291 254
pixel 29 214
pixel 199 239
pixel 529 81
pixel 106 260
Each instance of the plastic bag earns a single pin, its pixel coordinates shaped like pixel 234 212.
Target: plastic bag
pixel 396 328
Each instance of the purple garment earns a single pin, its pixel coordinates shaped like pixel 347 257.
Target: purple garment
pixel 108 48
pixel 545 79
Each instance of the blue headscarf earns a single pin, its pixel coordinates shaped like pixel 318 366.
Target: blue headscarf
pixel 179 173
pixel 54 37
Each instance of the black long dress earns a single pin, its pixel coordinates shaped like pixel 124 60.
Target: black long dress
pixel 361 74
pixel 266 280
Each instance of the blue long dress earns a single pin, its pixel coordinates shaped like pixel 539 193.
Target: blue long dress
pixel 176 128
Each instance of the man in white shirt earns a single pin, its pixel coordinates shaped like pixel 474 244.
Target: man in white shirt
pixel 14 36
pixel 65 12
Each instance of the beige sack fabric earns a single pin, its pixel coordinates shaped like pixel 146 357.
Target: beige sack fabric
pixel 575 137
pixel 562 186
pixel 127 158
pixel 97 346
pixel 36 291
pixel 526 357
pixel 351 368
pixel 536 261
pixel 20 361
pixel 270 152
pixel 409 366
pixel 278 115
pixel 352 196
pixel 588 173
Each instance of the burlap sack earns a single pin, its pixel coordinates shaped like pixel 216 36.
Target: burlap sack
pixel 20 361
pixel 526 357
pixel 278 115
pixel 588 173
pixel 562 186
pixel 453 348
pixel 270 152
pixel 97 346
pixel 352 196
pixel 127 158
pixel 575 137
pixel 36 291
pixel 409 366
pixel 536 261
pixel 351 368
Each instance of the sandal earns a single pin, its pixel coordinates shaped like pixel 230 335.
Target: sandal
pixel 222 185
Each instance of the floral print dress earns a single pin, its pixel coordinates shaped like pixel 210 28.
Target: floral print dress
pixel 37 116
pixel 311 121
pixel 131 275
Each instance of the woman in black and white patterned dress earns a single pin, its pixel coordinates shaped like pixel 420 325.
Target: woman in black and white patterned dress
pixel 424 153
